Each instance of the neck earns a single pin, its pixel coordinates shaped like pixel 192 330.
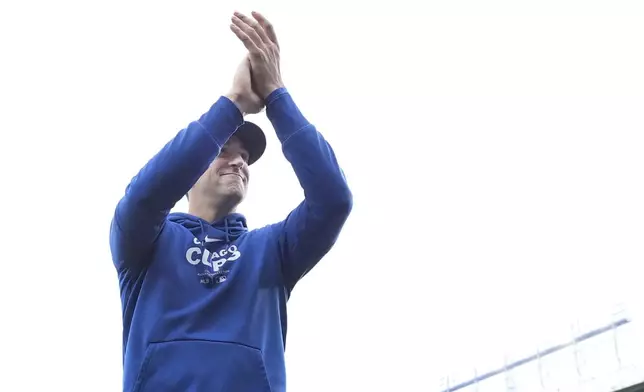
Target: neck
pixel 209 211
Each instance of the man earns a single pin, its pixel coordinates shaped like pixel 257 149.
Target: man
pixel 203 298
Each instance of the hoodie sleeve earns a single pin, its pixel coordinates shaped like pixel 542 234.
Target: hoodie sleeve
pixel 141 213
pixel 312 228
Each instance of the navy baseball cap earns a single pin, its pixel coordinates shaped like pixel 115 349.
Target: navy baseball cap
pixel 253 139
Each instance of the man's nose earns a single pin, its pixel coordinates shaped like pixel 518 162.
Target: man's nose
pixel 237 161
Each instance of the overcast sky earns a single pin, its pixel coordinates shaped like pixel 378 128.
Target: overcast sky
pixel 494 150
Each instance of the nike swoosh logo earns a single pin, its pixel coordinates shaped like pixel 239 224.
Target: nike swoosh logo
pixel 208 239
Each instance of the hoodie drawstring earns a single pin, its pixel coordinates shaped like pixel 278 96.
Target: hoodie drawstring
pixel 203 231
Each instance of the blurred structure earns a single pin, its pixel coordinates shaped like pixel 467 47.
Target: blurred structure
pixel 605 358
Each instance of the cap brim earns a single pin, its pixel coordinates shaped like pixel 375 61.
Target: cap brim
pixel 253 139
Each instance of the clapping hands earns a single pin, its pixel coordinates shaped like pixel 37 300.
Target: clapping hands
pixel 259 73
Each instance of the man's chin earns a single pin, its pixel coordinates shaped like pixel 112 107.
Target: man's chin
pixel 233 194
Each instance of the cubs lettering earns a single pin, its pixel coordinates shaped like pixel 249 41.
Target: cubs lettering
pixel 216 260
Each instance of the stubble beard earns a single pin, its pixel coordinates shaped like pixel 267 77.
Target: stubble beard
pixel 231 192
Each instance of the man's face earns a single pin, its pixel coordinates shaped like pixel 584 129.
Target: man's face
pixel 227 177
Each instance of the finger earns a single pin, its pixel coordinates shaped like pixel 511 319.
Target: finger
pixel 251 27
pixel 266 26
pixel 255 26
pixel 245 39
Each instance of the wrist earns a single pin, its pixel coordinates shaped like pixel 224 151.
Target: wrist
pixel 237 101
pixel 271 89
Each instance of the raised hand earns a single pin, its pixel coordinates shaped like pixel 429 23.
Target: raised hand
pixel 259 38
pixel 241 92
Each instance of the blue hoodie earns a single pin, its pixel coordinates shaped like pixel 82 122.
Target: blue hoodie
pixel 204 305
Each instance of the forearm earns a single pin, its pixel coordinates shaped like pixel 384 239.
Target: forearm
pixel 140 214
pixel 168 176
pixel 311 229
pixel 310 155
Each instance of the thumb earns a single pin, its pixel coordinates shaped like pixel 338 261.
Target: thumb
pixel 244 63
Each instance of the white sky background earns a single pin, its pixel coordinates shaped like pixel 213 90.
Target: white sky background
pixel 494 150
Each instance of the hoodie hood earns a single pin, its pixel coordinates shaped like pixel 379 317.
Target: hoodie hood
pixel 227 229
